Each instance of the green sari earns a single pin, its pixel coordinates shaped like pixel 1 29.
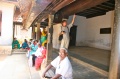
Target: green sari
pixel 15 44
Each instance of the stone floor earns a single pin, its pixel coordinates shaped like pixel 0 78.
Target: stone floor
pixel 97 57
pixel 16 66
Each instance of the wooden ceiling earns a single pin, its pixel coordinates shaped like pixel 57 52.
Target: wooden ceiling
pixel 88 8
pixel 33 11
pixel 98 10
pixel 85 8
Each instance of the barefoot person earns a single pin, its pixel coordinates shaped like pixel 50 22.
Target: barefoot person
pixel 62 65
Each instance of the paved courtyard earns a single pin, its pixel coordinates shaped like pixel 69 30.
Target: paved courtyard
pixel 16 67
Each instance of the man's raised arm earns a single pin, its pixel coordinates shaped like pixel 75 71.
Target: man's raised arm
pixel 74 16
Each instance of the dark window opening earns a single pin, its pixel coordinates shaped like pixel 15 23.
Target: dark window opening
pixel 105 31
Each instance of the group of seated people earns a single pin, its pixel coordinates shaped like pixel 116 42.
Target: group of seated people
pixel 36 54
pixel 16 44
pixel 36 51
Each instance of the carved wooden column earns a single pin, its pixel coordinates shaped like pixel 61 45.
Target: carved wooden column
pixel 13 30
pixel 38 31
pixel 114 71
pixel 49 46
pixel 33 32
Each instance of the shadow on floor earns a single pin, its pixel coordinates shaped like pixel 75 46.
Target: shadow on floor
pixel 96 57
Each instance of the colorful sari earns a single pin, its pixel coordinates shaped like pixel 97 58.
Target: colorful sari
pixel 15 44
pixel 43 39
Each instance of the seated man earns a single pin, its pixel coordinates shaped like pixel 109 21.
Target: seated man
pixel 15 44
pixel 62 65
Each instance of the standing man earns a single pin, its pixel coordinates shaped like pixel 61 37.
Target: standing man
pixel 65 29
pixel 62 65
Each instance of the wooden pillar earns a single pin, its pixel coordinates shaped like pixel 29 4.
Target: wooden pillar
pixel 49 45
pixel 38 31
pixel 114 71
pixel 13 30
pixel 33 32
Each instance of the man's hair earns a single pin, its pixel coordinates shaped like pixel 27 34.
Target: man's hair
pixel 64 21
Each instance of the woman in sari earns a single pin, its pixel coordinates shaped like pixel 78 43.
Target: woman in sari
pixel 15 44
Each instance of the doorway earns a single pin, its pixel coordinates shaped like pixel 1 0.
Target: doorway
pixel 73 32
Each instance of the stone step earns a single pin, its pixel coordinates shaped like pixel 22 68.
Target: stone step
pixel 19 51
pixel 98 70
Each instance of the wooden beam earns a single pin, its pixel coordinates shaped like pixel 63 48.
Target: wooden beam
pixel 62 4
pixel 90 12
pixel 105 6
pixel 99 7
pixel 109 4
pixel 18 23
pixel 80 5
pixel 95 14
pixel 93 9
pixel 114 70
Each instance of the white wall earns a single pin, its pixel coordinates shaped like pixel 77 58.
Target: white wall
pixel 81 23
pixel 88 31
pixel 7 23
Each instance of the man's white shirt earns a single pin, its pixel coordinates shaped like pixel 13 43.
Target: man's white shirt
pixel 63 68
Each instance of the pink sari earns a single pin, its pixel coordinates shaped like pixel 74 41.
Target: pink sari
pixel 40 59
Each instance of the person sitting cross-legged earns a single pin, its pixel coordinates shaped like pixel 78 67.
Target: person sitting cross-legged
pixel 62 65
